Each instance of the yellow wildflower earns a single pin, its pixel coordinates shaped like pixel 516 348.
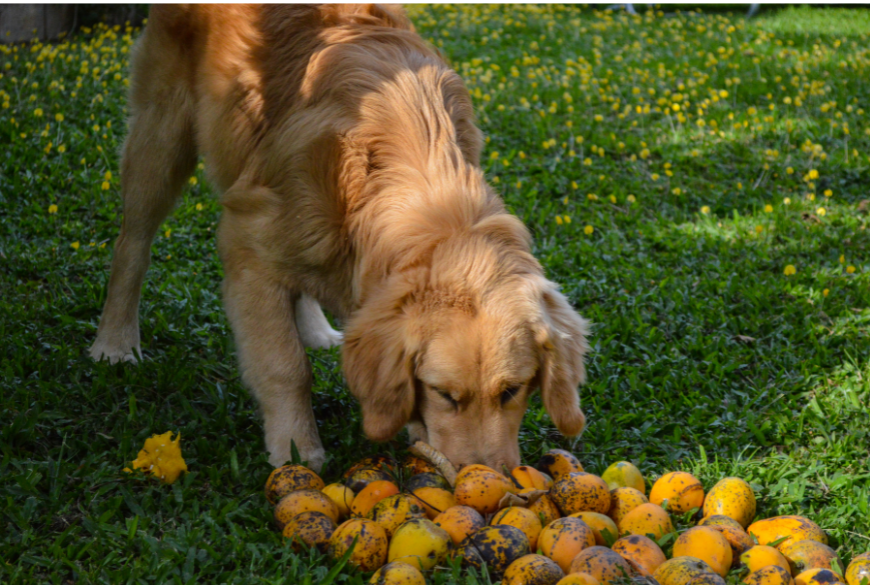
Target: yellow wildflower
pixel 588 230
pixel 825 292
pixel 842 259
pixel 828 192
pixel 167 233
pixel 193 181
pixel 705 210
pixel 759 229
pixel 787 201
pixel 161 456
pixel 631 198
pixel 199 206
pixel 768 208
pixel 106 186
pixel 789 270
pixel 677 191
pixel 37 112
pixel 821 211
pixel 789 170
pixel 75 245
pixel 52 208
pixel 850 269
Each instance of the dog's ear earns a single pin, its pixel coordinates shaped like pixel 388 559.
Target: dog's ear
pixel 561 337
pixel 378 355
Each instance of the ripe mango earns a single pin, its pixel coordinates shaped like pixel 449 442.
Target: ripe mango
pixel 525 477
pixel 521 518
pixel 642 553
pixel 795 528
pixel 434 500
pixel 707 544
pixel 804 555
pixel 769 575
pixel 601 563
pixel 578 579
pixel 311 529
pixel 427 479
pixel 686 570
pixel 342 496
pixel 558 462
pixel 738 539
pixel 647 520
pixel 395 510
pixel 397 574
pixel 289 478
pixel 481 488
pixel 460 522
pixel 623 500
pixel 304 501
pixel 497 547
pixel 762 556
pixel 532 570
pixel 680 490
pixel 362 477
pixel 624 474
pixel 370 495
pixel 562 539
pixel 818 576
pixel 544 508
pixel 859 569
pixel 580 492
pixel 731 497
pixel 419 543
pixel 370 551
pixel 602 526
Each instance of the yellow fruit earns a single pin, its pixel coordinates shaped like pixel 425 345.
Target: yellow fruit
pixel 360 478
pixel 685 570
pixel 370 551
pixel 818 576
pixel 795 528
pixel 562 539
pixel 494 546
pixel 623 500
pixel 434 500
pixel 738 539
pixel 377 462
pixel 647 520
pixel 370 495
pixel 427 479
pixel 641 553
pixel 707 544
pixel 460 522
pixel 481 488
pixel 395 510
pixel 803 555
pixel 602 526
pixel 419 543
pixel 521 518
pixel 529 477
pixel 312 529
pixel 412 465
pixel 532 570
pixel 602 563
pixel 342 496
pixel 580 492
pixel 731 497
pixel 859 569
pixel 290 478
pixel 544 508
pixel 762 556
pixel 397 574
pixel 720 520
pixel 578 579
pixel 682 491
pixel 558 462
pixel 624 474
pixel 769 575
pixel 304 501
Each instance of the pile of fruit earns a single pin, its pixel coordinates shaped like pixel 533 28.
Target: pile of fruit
pixel 554 525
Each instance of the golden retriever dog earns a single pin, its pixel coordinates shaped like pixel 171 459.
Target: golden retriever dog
pixel 348 165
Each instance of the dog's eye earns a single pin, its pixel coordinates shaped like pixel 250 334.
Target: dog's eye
pixel 509 394
pixel 447 397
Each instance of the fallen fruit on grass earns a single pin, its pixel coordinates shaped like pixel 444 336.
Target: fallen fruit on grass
pixel 370 551
pixel 375 462
pixel 794 528
pixel 460 522
pixel 413 465
pixel 434 500
pixel 859 570
pixel 312 529
pixel 342 496
pixel 647 520
pixel 707 544
pixel 398 574
pixel 359 479
pixel 562 539
pixel 731 497
pixel 580 492
pixel 558 462
pixel 427 479
pixel 685 570
pixel 601 563
pixel 543 507
pixel 521 518
pixel 763 556
pixel 578 579
pixel 720 520
pixel 624 474
pixel 395 510
pixel 494 546
pixel 289 478
pixel 769 575
pixel 532 570
pixel 603 527
pixel 370 495
pixel 738 539
pixel 680 490
pixel 642 553
pixel 304 501
pixel 525 477
pixel 161 457
pixel 623 500
pixel 818 576
pixel 803 555
pixel 481 488
pixel 419 543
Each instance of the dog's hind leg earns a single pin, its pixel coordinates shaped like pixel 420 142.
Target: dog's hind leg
pixel 159 155
pixel 314 329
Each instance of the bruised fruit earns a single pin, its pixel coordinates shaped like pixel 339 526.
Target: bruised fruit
pixel 737 538
pixel 378 462
pixel 290 478
pixel 419 543
pixel 642 553
pixel 859 570
pixel 793 528
pixel 494 546
pixel 370 551
pixel 359 479
pixel 312 529
pixel 818 576
pixel 521 518
pixel 427 479
pixel 413 465
pixel 707 544
pixel 763 556
pixel 342 496
pixel 803 555
pixel 558 462
pixel 580 492
pixel 397 574
pixel 395 510
pixel 769 575
pixel 304 501
pixel 532 570
pixel 434 500
pixel 678 492
pixel 578 579
pixel 624 474
pixel 460 522
pixel 602 563
pixel 623 500
pixel 731 497
pixel 602 526
pixel 543 507
pixel 481 488
pixel 720 520
pixel 370 495
pixel 562 539
pixel 525 477
pixel 685 570
pixel 647 520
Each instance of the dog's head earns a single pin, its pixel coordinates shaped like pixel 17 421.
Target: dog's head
pixel 460 354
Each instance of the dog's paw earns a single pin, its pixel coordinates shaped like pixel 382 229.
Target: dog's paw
pixel 314 458
pixel 101 351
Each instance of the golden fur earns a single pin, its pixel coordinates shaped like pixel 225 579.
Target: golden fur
pixel 347 159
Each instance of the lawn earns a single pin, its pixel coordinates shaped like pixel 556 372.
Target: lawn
pixel 698 184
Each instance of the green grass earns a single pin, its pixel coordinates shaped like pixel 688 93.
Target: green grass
pixel 706 356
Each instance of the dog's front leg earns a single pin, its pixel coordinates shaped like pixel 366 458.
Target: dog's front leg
pixel 272 358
